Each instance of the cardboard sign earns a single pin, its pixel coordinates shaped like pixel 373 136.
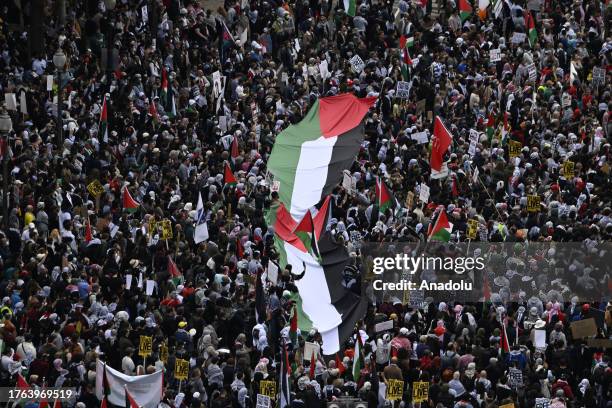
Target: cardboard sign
pixel 420 137
pixel 568 169
pixel 518 38
pixel 515 377
pixel 424 193
pixel 166 229
pixel 384 326
pixel 145 347
pixel 95 188
pixel 599 76
pixel 395 390
pixel 514 148
pixel 310 348
pixel 472 229
pixel 268 388
pixel 357 63
pixel 542 403
pixel 495 55
pixel 420 391
pixel 163 353
pixel 263 401
pixel 583 328
pixel 403 89
pixel 272 272
pixel 181 369
pixel 348 183
pixel 533 203
pixel 600 343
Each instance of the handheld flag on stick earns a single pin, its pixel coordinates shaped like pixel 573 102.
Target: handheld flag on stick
pixel 173 269
pixel 441 230
pixel 358 358
pixel 384 197
pixel 129 204
pixel 228 176
pixel 441 141
pixel 532 33
pixel 103 123
pixel 465 10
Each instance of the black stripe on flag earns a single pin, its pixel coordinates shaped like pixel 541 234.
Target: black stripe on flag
pixel 343 155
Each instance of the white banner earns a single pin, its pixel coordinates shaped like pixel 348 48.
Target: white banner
pixel 145 389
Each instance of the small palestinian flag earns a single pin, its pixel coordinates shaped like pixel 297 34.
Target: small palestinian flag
pixel 306 231
pixel 465 10
pixel 350 6
pixel 103 123
pixel 405 59
pixel 532 33
pixel 490 127
pixel 308 158
pixel 228 176
pixel 441 230
pixel 235 152
pixel 129 204
pixel 384 197
pixel 173 268
pixel 358 362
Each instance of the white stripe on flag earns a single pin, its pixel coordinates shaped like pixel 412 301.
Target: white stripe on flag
pixel 316 299
pixel 311 175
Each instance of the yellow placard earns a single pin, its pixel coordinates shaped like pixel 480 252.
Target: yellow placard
pixel 166 229
pixel 510 405
pixel 267 388
pixel 163 353
pixel 395 390
pixel 568 169
pixel 151 227
pixel 420 391
pixel 95 188
pixel 472 229
pixel 409 199
pixel 181 369
pixel 145 348
pixel 533 203
pixel 514 148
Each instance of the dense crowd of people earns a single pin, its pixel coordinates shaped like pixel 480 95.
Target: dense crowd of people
pixel 187 82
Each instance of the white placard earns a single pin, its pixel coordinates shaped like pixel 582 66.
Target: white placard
pixel 566 100
pixel 263 401
pixel 388 325
pixel 347 181
pixel 11 101
pixel 275 186
pixel 324 70
pixel 518 38
pixel 145 14
pixel 495 55
pixel 217 85
pixel 272 272
pixel 420 137
pixel 403 89
pixel 475 174
pixel 472 149
pixel 128 282
pixel 357 63
pixel 23 104
pixel 49 82
pixel 424 193
pixel 539 339
pixel 599 76
pixel 140 281
pixel 473 136
pixel 150 287
pixel 296 45
pixel 309 348
pixel 533 72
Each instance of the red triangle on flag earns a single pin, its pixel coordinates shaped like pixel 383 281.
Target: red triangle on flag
pixel 228 176
pixel 441 223
pixel 88 234
pixel 313 363
pixel 22 384
pixel 130 402
pixel 129 203
pixel 307 224
pixel 441 141
pixel 173 269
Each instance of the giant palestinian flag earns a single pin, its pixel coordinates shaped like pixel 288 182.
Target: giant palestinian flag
pixel 308 158
pixel 323 302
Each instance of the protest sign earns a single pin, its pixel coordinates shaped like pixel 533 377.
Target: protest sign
pixel 395 390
